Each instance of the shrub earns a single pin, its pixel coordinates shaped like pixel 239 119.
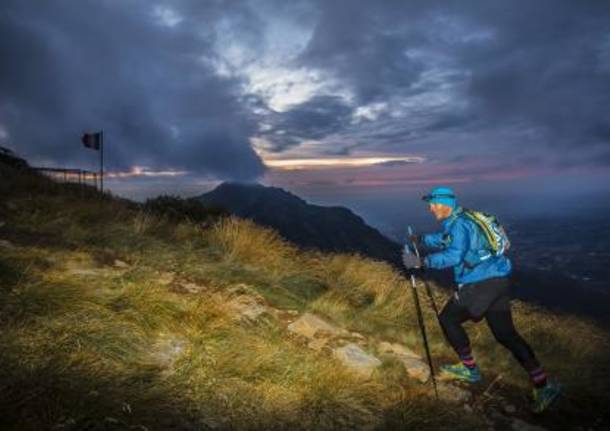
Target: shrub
pixel 178 209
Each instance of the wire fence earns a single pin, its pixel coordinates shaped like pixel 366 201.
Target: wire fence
pixel 82 182
pixel 76 176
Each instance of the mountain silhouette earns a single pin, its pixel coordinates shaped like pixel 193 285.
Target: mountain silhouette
pixel 330 229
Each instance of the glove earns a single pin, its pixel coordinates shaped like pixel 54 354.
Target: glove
pixel 411 261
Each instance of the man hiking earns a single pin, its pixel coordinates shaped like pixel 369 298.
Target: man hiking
pixel 482 292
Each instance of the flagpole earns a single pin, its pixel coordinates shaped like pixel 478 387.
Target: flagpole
pixel 102 161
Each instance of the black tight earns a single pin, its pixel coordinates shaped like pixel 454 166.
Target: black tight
pixel 489 299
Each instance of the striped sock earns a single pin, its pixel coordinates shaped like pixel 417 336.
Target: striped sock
pixel 537 377
pixel 467 359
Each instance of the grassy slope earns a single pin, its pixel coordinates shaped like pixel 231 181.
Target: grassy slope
pixel 87 344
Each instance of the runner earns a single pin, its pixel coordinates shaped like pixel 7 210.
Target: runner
pixel 482 291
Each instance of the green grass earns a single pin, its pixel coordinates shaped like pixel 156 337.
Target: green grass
pixel 89 345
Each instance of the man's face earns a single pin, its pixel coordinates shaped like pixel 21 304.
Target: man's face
pixel 440 211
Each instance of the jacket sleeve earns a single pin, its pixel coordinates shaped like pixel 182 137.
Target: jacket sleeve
pixel 455 251
pixel 433 240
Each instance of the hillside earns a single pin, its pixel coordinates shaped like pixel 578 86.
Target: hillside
pixel 112 318
pixel 331 229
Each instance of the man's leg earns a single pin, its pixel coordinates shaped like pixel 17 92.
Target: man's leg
pixel 500 321
pixel 451 319
pixel 470 303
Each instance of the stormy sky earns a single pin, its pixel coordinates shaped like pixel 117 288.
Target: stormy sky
pixel 340 96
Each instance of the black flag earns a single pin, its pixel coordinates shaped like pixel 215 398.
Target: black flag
pixel 92 140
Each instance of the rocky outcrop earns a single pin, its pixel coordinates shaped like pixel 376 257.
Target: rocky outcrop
pixel 356 359
pixel 310 326
pixel 412 362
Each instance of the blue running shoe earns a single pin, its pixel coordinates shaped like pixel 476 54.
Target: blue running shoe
pixel 544 397
pixel 461 372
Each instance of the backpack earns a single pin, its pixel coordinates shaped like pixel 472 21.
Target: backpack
pixel 495 234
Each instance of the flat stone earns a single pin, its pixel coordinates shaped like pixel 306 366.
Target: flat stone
pixel 166 278
pixel 308 325
pixel 396 349
pixel 192 287
pixel 509 409
pixel 416 369
pixel 247 307
pixel 166 350
pixel 356 359
pixel 318 344
pixel 414 366
pixel 87 272
pixel 120 264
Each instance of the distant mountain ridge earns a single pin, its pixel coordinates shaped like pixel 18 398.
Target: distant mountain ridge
pixel 330 229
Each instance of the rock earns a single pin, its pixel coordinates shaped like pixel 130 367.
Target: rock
pixel 356 359
pixel 318 344
pixel 120 264
pixel 86 272
pixel 519 425
pixel 509 409
pixel 451 393
pixel 396 349
pixel 192 287
pixel 357 335
pixel 6 244
pixel 414 366
pixel 166 350
pixel 308 325
pixel 166 278
pixel 416 369
pixel 247 307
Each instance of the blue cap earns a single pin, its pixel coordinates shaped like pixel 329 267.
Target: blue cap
pixel 441 195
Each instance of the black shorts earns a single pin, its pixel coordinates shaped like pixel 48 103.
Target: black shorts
pixel 476 298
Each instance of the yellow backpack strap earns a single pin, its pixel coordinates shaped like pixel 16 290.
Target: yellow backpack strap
pixel 475 216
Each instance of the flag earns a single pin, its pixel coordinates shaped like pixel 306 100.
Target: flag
pixel 92 140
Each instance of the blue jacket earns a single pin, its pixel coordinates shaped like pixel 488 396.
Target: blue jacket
pixel 464 247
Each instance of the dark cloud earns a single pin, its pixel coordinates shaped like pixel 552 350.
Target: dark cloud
pixel 542 66
pixel 316 118
pixel 364 44
pixel 525 82
pixel 83 65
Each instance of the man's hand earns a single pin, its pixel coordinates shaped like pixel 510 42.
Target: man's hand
pixel 411 261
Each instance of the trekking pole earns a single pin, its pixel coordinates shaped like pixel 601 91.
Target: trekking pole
pixel 422 326
pixel 426 285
